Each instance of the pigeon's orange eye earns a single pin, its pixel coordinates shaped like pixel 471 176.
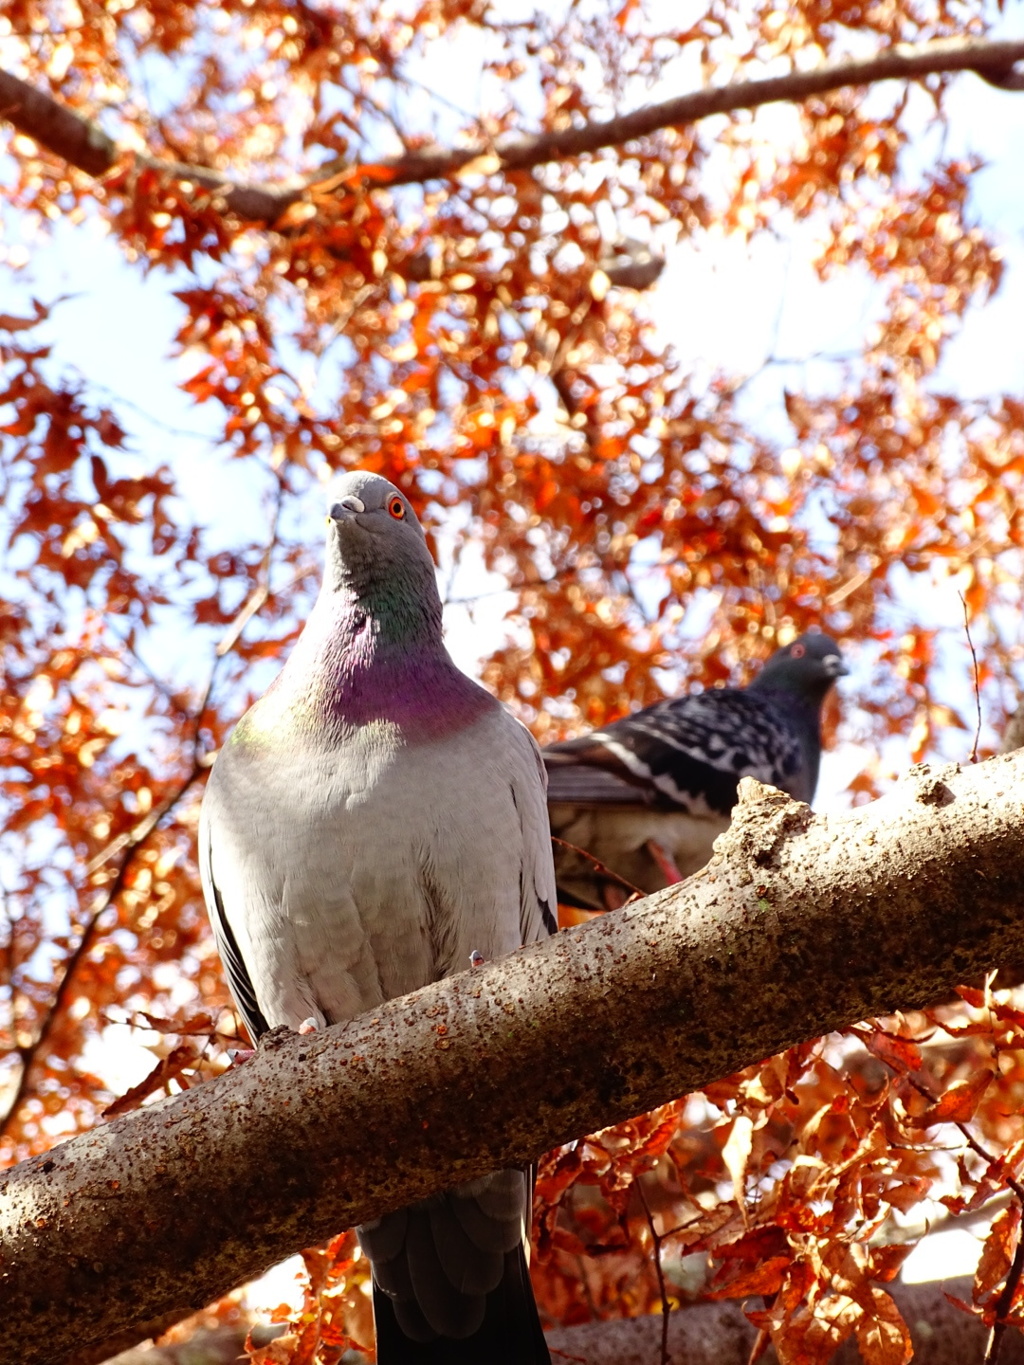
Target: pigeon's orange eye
pixel 797 652
pixel 396 507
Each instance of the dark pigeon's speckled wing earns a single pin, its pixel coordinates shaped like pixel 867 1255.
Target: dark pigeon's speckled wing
pixel 686 754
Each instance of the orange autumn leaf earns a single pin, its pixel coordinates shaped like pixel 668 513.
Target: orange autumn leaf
pixel 169 1068
pixel 957 1105
pixel 997 1253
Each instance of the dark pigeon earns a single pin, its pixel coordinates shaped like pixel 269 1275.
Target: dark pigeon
pixel 646 796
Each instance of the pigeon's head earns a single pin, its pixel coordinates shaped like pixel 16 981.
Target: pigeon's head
pixel 809 666
pixel 375 544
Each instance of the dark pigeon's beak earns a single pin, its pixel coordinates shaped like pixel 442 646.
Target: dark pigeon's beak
pixel 834 666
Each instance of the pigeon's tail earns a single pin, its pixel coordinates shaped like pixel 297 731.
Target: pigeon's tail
pixel 450 1281
pixel 510 1333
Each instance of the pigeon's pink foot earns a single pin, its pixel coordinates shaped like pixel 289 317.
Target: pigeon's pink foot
pixel 666 863
pixel 476 959
pixel 614 895
pixel 240 1055
pixel 308 1026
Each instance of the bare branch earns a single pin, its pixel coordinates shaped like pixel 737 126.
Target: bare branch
pixel 78 140
pixel 84 144
pixel 721 1334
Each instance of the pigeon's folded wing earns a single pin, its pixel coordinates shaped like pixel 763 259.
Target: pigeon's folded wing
pixel 686 755
pixel 239 981
pixel 538 897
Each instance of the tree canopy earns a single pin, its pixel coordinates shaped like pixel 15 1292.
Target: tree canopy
pixel 429 239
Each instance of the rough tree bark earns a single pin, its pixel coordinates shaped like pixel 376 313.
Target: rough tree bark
pixel 85 145
pixel 800 924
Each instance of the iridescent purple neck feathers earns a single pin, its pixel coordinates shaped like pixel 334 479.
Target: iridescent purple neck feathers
pixel 351 668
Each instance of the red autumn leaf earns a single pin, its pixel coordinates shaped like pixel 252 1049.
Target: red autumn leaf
pixel 883 1338
pixel 903 1054
pixel 201 1023
pixel 167 1069
pixel 957 1105
pixel 997 1253
pixel 765 1278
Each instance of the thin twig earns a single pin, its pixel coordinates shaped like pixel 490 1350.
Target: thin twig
pixel 599 866
pixel 968 1137
pixel 261 591
pixel 127 845
pixel 658 1270
pixel 977 681
pixel 1004 1303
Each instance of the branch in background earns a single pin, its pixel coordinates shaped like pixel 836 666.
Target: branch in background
pixel 175 1204
pixel 85 145
pixel 221 1345
pixel 720 1334
pixel 702 1334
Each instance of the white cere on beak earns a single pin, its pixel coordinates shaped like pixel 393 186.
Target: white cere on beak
pixel 350 503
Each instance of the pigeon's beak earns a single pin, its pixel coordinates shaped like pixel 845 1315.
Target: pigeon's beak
pixel 346 508
pixel 834 666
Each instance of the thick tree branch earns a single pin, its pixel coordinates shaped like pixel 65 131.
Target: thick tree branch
pixel 83 143
pixel 799 925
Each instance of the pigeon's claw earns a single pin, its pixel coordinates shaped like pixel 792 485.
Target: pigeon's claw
pixel 308 1026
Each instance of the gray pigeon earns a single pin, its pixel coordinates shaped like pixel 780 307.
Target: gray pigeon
pixel 375 822
pixel 646 796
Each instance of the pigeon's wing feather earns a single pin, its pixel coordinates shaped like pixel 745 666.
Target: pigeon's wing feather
pixel 239 980
pixel 645 797
pixel 694 750
pixel 581 776
pixel 538 898
pixel 684 754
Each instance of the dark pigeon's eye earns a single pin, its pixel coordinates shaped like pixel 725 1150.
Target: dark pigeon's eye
pixel 797 652
pixel 396 507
